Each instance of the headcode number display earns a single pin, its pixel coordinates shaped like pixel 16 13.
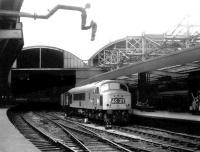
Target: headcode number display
pixel 118 101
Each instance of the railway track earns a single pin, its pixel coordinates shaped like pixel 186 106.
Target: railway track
pixel 152 140
pixel 179 140
pixel 86 140
pixel 51 132
pixel 41 140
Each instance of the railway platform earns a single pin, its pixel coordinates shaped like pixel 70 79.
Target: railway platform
pixel 10 138
pixel 168 115
pixel 173 121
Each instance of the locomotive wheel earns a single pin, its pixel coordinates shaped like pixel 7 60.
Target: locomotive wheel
pixel 96 115
pixel 100 116
pixel 126 117
pixel 90 114
pixel 86 114
pixel 114 118
pixel 105 117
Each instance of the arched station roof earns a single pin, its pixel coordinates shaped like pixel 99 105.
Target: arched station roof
pixel 107 46
pixel 48 57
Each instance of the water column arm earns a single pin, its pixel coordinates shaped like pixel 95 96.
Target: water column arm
pixel 52 11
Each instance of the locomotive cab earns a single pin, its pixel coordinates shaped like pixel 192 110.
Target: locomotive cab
pixel 116 96
pixel 116 101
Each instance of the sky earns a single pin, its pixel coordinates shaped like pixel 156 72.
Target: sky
pixel 115 19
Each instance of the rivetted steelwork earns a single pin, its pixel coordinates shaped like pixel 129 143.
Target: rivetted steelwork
pixel 132 49
pixel 11 42
pixel 72 61
pixel 14 5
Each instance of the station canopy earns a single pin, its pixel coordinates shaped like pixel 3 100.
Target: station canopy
pixel 158 55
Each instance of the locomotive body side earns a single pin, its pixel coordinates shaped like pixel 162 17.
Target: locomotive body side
pixel 84 97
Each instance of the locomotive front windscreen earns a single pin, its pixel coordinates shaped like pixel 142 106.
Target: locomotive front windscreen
pixel 113 86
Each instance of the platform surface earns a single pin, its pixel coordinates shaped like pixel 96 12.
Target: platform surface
pixel 11 140
pixel 168 115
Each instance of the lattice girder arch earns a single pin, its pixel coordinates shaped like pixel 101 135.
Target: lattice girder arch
pixel 138 48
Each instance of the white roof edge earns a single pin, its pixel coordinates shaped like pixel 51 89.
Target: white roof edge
pixel 91 86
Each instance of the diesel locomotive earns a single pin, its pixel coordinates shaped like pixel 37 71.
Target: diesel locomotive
pixel 107 100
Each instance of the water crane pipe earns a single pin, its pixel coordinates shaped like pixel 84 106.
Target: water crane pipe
pixel 51 12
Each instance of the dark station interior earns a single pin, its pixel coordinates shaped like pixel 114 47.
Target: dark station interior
pixel 42 83
pixel 41 78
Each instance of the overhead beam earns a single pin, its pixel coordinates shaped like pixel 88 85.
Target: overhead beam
pixel 11 34
pixel 166 73
pixel 193 65
pixel 130 77
pixel 186 56
pixel 49 69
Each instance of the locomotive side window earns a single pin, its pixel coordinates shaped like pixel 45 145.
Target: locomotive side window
pixel 97 90
pixel 70 98
pixel 89 94
pixel 79 96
